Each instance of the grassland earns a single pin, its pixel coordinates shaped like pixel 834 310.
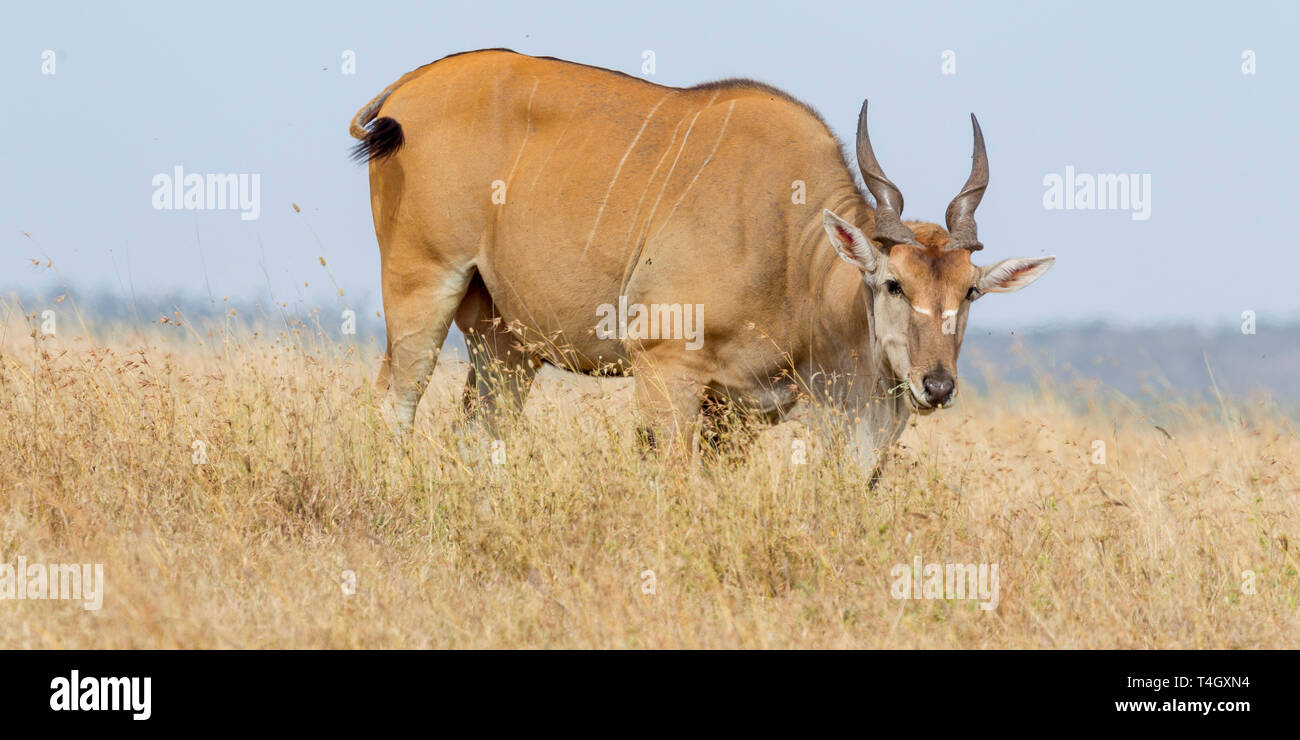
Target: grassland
pixel 1185 536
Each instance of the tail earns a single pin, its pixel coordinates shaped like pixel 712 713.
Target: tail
pixel 384 137
pixel 379 138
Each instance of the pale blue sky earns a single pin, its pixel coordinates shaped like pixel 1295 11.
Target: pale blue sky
pixel 256 87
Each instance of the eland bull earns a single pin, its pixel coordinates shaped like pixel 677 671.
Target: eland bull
pixel 522 197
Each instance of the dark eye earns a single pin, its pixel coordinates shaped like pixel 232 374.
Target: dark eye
pixel 972 294
pixel 893 287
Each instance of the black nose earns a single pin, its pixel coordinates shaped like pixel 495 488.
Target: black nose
pixel 939 386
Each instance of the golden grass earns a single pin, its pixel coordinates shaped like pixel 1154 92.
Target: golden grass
pixel 303 481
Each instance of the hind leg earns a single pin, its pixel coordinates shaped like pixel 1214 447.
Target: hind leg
pixel 500 373
pixel 421 293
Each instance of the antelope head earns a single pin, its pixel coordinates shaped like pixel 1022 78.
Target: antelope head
pixel 919 277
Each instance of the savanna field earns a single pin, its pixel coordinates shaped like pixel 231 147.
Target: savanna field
pixel 228 476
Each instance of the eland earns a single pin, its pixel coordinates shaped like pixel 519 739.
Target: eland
pixel 524 197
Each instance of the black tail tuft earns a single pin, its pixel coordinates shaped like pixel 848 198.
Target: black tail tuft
pixel 384 137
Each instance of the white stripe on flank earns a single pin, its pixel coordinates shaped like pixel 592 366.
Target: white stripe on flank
pixel 920 310
pixel 618 170
pixel 527 128
pixel 717 143
pixel 668 177
pixel 636 216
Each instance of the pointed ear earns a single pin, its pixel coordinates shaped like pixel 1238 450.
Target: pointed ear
pixel 850 243
pixel 1012 274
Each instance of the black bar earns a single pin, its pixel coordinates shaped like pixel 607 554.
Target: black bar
pixel 924 690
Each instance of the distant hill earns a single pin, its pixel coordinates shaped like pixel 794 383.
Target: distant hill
pixel 1154 361
pixel 1148 360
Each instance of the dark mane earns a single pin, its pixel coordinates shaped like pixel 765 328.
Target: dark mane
pixel 730 83
pixel 549 59
pixel 744 83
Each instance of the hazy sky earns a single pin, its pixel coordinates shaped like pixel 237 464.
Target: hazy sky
pixel 1106 88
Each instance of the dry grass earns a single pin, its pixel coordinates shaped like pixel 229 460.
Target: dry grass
pixel 303 481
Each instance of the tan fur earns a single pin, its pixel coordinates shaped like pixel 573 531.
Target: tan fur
pixel 618 187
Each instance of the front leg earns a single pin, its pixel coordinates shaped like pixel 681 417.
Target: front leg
pixel 877 430
pixel 668 405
